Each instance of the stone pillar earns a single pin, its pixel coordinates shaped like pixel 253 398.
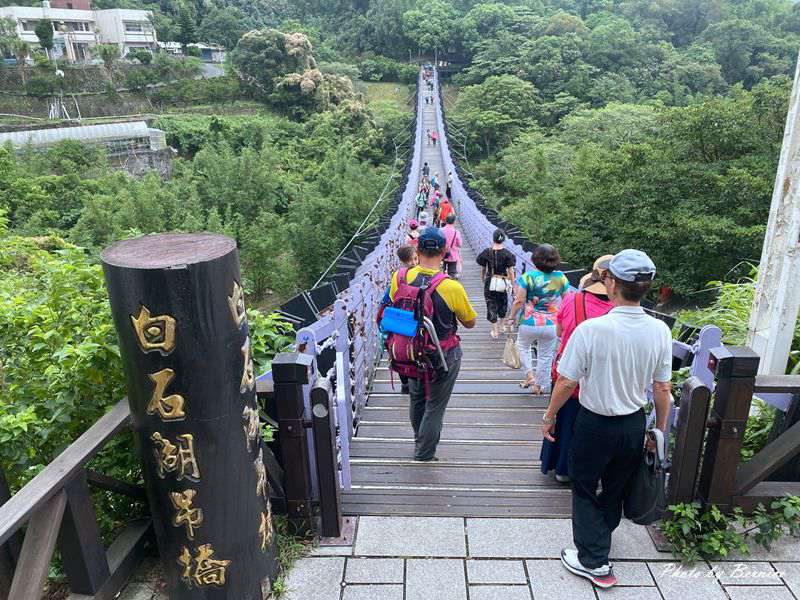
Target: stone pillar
pixel 178 307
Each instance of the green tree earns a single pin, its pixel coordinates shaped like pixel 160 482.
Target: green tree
pixel 493 111
pixel 108 53
pixel 431 24
pixel 187 29
pixel 44 32
pixel 223 26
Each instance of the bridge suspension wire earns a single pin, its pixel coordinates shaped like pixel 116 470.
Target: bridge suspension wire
pixel 380 199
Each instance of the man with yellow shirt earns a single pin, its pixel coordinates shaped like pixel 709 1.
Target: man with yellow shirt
pixel 450 307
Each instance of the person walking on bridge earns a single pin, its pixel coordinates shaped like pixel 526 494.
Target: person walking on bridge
pixel 453 241
pixel 615 358
pixel 589 302
pixel 451 307
pixel 497 263
pixel 538 297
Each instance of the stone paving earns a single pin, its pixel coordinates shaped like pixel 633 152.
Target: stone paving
pixel 432 558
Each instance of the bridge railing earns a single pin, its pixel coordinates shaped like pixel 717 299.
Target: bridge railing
pixel 337 348
pixel 56 506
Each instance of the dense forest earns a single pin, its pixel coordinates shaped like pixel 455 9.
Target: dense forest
pixel 592 124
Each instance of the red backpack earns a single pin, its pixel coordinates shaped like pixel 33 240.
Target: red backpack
pixel 413 349
pixel 580 317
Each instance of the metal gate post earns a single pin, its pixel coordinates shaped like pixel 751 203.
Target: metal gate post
pixel 290 374
pixel 735 368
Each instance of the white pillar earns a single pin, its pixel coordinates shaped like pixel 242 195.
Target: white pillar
pixel 777 297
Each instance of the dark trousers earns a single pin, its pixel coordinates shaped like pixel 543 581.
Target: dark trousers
pixel 605 450
pixel 496 303
pixel 451 268
pixel 427 416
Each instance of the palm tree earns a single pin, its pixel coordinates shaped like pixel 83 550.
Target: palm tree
pixel 22 51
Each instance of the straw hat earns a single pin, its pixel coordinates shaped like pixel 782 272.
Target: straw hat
pixel 593 282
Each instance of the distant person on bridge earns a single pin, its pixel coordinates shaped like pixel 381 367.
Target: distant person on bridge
pixel 448 189
pixel 428 134
pixel 453 242
pixel 445 210
pixel 435 180
pixel 497 263
pixel 413 234
pixel 538 297
pixel 434 137
pixel 450 306
pixel 615 358
pixel 426 170
pixel 590 302
pixel 420 202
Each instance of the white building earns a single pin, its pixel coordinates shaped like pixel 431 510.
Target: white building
pixel 76 31
pixel 130 29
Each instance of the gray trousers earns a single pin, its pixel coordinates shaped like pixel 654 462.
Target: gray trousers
pixel 427 416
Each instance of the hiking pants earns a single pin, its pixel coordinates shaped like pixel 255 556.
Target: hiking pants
pixel 451 268
pixel 427 416
pixel 606 450
pixel 544 336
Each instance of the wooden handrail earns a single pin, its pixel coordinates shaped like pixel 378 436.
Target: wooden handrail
pixel 52 479
pixel 777 384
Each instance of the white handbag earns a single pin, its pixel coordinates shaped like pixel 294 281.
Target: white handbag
pixel 498 284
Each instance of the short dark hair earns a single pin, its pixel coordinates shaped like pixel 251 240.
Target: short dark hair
pixel 406 252
pixel 633 291
pixel 499 236
pixel 546 258
pixel 430 252
pixel 451 218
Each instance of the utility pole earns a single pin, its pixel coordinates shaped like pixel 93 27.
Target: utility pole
pixel 777 296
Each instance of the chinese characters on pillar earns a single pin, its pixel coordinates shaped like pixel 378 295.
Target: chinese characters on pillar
pixel 176 455
pixel 201 570
pixel 252 426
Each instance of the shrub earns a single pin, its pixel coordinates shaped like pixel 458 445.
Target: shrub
pixel 143 56
pixel 42 85
pixel 380 68
pixel 194 51
pixel 137 79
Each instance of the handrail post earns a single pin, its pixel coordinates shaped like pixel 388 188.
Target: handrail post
pixel 82 552
pixel 735 368
pixel 179 311
pixel 689 435
pixel 290 374
pixel 327 460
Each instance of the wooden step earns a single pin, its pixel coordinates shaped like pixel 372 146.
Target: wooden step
pixel 449 451
pixel 466 401
pixel 484 388
pixel 454 416
pixel 477 433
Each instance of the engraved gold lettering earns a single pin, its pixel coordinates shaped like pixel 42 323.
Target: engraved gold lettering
pixel 265 527
pixel 248 377
pixel 202 570
pixel 177 458
pixel 236 304
pixel 169 408
pixel 154 333
pixel 261 475
pixel 251 425
pixel 186 514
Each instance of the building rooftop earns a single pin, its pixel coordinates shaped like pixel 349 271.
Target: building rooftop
pixel 89 134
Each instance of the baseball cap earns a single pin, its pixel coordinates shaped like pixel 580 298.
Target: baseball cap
pixel 594 280
pixel 431 238
pixel 413 224
pixel 632 265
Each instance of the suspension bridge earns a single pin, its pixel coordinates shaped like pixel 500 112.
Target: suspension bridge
pixel 342 443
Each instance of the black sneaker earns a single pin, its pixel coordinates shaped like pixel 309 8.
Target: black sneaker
pixel 431 459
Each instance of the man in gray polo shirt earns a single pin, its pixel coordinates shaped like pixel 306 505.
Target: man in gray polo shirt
pixel 615 358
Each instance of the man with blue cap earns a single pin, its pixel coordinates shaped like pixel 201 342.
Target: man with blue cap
pixel 451 308
pixel 615 358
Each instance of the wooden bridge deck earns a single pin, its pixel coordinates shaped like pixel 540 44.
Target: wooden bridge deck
pixel 489 453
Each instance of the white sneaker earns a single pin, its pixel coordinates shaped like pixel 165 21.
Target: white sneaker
pixel 602 577
pixel 562 478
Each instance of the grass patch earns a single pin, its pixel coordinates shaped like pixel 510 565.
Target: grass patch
pixel 394 95
pixel 291 547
